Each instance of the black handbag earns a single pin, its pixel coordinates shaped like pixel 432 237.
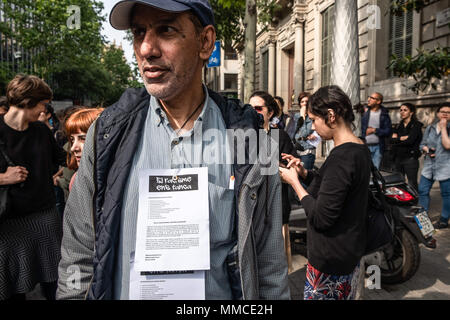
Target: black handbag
pixel 5 203
pixel 380 221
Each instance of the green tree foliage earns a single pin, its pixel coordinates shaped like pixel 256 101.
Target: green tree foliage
pixel 235 22
pixel 5 76
pixel 42 25
pixel 398 7
pixel 427 65
pixel 120 74
pixel 76 62
pixel 424 67
pixel 229 16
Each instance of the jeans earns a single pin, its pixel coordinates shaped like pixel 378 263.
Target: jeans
pixel 425 185
pixel 308 161
pixel 375 153
pixel 408 167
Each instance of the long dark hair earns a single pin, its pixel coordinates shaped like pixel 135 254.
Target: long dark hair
pixel 412 108
pixel 269 101
pixel 331 97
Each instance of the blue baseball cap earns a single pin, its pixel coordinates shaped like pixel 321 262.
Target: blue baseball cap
pixel 121 13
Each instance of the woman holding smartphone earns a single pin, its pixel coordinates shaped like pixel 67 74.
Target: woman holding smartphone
pixel 335 201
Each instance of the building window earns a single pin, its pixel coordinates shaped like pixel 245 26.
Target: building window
pixel 400 35
pixel 265 71
pixel 231 81
pixel 230 53
pixel 327 44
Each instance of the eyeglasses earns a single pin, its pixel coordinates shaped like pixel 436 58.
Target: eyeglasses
pixel 259 108
pixel 445 112
pixel 373 98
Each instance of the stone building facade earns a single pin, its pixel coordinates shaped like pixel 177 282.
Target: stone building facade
pixel 224 79
pixel 294 54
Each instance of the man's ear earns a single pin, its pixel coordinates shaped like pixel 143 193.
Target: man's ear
pixel 208 39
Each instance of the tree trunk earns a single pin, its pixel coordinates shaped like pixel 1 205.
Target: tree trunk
pixel 345 54
pixel 250 49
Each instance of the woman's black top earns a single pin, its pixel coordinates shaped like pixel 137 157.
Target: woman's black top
pixel 37 151
pixel 411 146
pixel 336 209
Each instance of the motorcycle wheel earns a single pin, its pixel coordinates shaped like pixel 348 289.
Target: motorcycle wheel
pixel 403 260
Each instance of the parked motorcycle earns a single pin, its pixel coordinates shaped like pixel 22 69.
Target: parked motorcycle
pixel 399 259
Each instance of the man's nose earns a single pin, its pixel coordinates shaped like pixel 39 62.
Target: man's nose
pixel 150 45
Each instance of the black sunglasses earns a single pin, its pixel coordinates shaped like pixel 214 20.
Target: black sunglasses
pixel 258 108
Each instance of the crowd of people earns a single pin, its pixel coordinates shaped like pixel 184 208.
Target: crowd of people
pixel 35 171
pixel 72 176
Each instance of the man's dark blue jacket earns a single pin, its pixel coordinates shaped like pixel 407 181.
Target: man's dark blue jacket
pixel 383 131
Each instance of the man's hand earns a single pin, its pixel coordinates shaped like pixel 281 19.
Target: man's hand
pixel 425 149
pixel 13 175
pixel 394 136
pixel 312 137
pixel 370 131
pixel 442 123
pixel 403 138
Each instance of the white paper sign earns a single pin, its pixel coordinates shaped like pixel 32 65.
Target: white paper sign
pixel 189 285
pixel 173 220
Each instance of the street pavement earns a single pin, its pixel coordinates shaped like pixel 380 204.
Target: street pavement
pixel 431 282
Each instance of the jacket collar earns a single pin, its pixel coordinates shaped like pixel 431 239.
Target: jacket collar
pixel 234 113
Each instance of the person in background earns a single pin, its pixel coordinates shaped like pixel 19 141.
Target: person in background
pixel 30 236
pixel 406 138
pixel 63 177
pixel 305 133
pixel 48 117
pixel 360 108
pixel 76 127
pixel 375 127
pixel 282 117
pixel 336 200
pixel 436 166
pixel 265 105
pixel 3 105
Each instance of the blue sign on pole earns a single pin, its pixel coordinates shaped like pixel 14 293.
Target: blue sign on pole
pixel 214 60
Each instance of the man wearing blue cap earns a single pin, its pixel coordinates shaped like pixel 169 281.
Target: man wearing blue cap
pixel 151 128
